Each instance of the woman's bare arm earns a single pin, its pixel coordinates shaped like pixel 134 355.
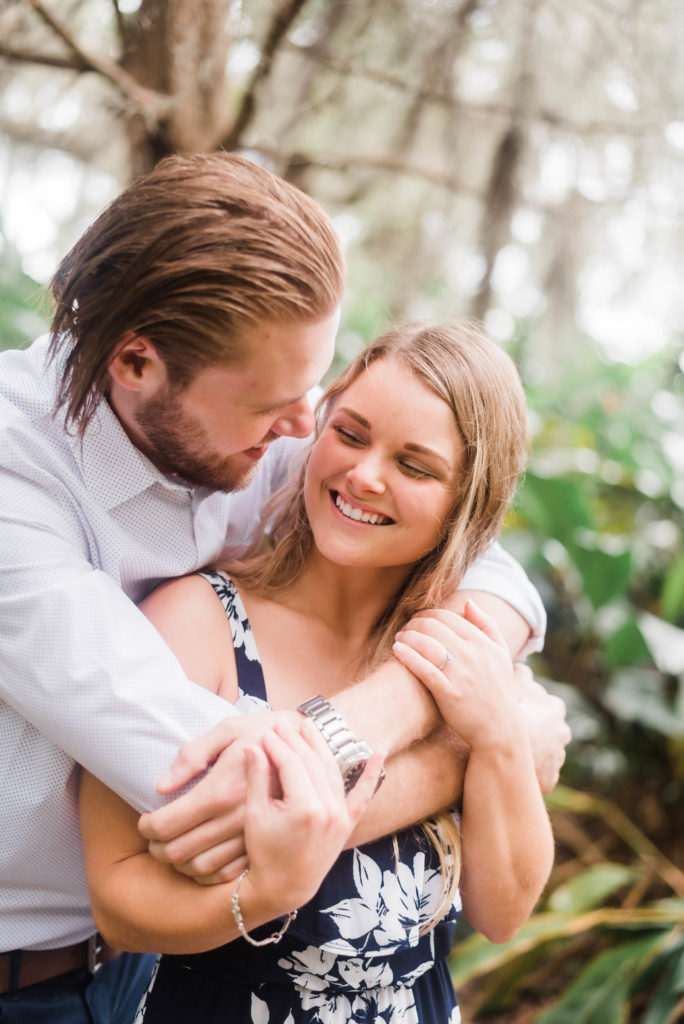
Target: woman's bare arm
pixel 507 845
pixel 141 904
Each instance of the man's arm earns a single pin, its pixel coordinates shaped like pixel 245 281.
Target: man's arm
pixel 195 834
pixel 498 574
pixel 391 711
pixel 77 659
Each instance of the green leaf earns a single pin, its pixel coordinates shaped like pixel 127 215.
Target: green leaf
pixel 604 575
pixel 555 506
pixel 592 887
pixel 672 595
pixel 669 992
pixel 626 646
pixel 476 956
pixel 600 995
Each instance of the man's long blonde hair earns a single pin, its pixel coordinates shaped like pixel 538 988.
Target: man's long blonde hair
pixel 480 383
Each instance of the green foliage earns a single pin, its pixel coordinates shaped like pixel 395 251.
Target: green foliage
pixel 599 523
pixel 600 994
pixel 20 297
pixel 591 888
pixel 673 591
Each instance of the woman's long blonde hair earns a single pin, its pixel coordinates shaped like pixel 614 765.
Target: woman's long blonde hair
pixel 480 383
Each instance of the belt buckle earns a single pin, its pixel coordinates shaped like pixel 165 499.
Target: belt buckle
pixel 94 950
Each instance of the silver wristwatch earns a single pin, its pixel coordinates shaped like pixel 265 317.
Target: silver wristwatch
pixel 349 751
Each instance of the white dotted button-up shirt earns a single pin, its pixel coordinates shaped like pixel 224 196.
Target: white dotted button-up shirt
pixel 88 527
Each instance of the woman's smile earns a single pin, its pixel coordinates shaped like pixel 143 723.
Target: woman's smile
pixel 358 513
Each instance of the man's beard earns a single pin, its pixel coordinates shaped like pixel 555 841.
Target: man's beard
pixel 182 447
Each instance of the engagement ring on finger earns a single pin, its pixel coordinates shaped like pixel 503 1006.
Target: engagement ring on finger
pixel 448 656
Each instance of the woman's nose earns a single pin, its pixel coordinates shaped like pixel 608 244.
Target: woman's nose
pixel 367 475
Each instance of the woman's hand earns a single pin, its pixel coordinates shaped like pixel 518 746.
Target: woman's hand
pixel 468 670
pixel 297 818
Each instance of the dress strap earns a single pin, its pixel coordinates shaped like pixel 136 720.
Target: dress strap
pixel 249 673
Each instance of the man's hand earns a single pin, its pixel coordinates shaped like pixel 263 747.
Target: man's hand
pixel 548 731
pixel 201 832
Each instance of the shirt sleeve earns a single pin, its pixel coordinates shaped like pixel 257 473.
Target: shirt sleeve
pixel 497 572
pixel 78 660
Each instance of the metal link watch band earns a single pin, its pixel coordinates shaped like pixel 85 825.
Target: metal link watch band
pixel 349 751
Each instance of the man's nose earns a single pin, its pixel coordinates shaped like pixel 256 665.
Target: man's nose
pixel 296 421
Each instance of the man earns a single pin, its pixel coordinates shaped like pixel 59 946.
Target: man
pixel 137 442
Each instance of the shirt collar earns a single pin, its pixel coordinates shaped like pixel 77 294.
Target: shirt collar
pixel 113 469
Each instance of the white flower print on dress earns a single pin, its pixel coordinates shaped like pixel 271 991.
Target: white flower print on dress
pixel 234 608
pixel 390 907
pixel 341 990
pixel 259 1012
pixel 316 969
pixel 382 1005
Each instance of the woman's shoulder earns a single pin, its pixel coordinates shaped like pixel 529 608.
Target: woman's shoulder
pixel 189 615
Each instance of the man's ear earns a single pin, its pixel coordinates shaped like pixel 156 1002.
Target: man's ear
pixel 136 365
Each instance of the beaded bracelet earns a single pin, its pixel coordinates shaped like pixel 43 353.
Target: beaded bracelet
pixel 237 914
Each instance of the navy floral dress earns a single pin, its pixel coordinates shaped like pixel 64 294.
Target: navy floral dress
pixel 353 955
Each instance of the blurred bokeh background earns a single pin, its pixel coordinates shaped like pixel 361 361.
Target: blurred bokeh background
pixel 517 161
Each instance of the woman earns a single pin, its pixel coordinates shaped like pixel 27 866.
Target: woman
pixel 418 450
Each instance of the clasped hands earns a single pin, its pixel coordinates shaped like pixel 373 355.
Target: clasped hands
pixel 202 833
pixel 464 662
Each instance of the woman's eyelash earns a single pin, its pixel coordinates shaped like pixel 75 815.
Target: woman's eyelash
pixel 349 435
pixel 416 470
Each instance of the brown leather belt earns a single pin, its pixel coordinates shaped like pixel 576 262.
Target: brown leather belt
pixel 26 967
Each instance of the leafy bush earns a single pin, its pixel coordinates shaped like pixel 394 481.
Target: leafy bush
pixel 20 300
pixel 599 525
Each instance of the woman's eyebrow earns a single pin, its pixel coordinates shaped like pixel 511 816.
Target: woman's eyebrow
pixel 355 416
pixel 420 449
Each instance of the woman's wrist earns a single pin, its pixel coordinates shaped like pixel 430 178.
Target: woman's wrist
pixel 507 741
pixel 236 910
pixel 265 898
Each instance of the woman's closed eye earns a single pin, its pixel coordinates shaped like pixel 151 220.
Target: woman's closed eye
pixel 347 435
pixel 412 469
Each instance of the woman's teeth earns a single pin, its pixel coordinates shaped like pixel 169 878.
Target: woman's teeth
pixel 351 512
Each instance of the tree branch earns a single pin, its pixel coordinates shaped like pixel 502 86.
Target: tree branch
pixel 118 17
pixel 386 162
pixel 46 59
pixel 438 97
pixel 153 104
pixel 83 146
pixel 283 18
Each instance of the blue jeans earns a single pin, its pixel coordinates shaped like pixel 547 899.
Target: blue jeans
pixel 110 996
